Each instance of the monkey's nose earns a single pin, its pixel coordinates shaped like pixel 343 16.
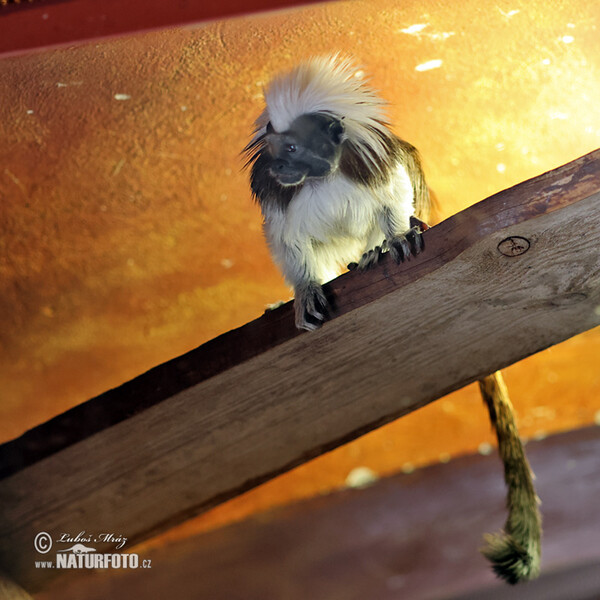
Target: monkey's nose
pixel 278 165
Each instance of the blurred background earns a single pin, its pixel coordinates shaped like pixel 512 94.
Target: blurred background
pixel 128 235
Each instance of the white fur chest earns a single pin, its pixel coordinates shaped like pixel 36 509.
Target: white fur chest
pixel 331 209
pixel 331 223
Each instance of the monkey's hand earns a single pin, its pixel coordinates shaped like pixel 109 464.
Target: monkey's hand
pixel 405 245
pixel 310 306
pixel 401 247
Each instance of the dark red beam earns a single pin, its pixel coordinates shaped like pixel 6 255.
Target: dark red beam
pixel 46 24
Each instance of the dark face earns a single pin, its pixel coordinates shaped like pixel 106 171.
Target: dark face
pixel 310 148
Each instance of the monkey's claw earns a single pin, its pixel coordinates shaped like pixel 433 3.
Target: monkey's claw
pixel 310 306
pixel 414 222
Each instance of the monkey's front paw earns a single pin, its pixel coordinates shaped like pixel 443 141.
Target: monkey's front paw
pixel 403 246
pixel 310 306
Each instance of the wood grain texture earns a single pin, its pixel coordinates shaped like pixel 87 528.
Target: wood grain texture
pixel 264 398
pixel 408 536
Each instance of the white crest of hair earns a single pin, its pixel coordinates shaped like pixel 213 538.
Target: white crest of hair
pixel 328 84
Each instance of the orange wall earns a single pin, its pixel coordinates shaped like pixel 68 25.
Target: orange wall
pixel 127 233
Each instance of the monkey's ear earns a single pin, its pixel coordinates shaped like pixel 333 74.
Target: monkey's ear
pixel 336 131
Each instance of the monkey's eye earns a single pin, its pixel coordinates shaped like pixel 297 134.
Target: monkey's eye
pixel 270 127
pixel 290 148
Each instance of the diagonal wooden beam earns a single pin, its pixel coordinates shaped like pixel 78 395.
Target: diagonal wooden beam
pixel 497 282
pixel 406 536
pixel 11 591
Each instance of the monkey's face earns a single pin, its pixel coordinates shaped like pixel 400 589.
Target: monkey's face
pixel 310 148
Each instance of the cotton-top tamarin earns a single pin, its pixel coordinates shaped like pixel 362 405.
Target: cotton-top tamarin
pixel 334 184
pixel 337 187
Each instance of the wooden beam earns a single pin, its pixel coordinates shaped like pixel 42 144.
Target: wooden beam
pixel 408 536
pixel 263 398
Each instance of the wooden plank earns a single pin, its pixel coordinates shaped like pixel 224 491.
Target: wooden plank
pixel 53 23
pixel 409 536
pixel 264 398
pixel 9 590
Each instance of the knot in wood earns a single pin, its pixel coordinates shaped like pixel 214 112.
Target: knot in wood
pixel 514 246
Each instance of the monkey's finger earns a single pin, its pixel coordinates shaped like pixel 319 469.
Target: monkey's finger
pixel 370 259
pixel 312 320
pixel 304 323
pixel 317 307
pixel 308 320
pixel 400 248
pixel 415 239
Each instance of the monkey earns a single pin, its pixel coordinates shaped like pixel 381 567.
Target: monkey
pixel 336 187
pixel 334 184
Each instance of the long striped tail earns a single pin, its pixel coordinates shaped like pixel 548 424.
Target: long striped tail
pixel 516 551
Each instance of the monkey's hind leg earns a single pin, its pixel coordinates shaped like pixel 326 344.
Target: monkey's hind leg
pixel 515 552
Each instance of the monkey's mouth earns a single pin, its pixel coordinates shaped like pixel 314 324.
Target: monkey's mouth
pixel 288 177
